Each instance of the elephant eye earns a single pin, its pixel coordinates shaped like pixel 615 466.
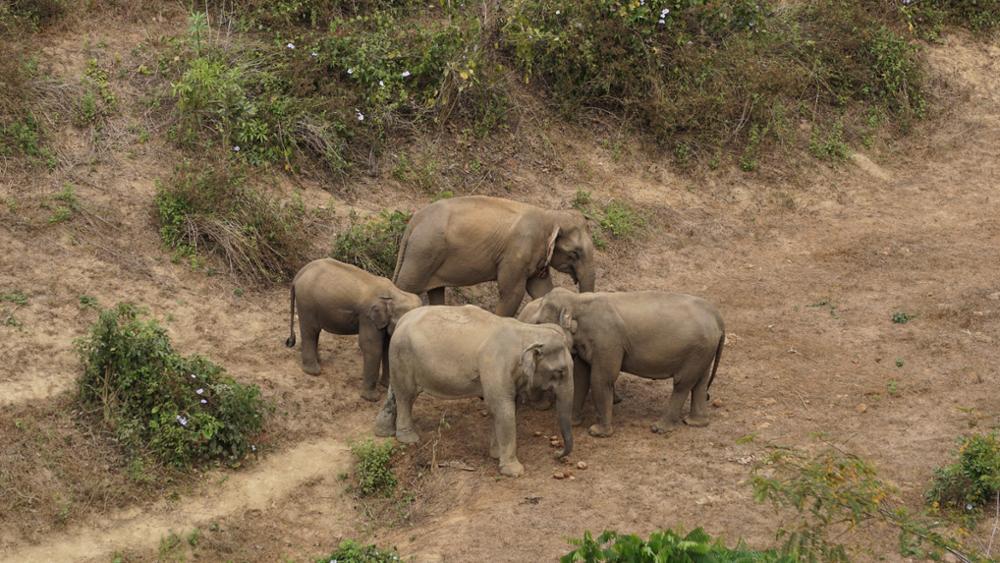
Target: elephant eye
pixel 574 255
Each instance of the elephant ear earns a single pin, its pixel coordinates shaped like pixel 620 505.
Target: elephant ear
pixel 567 321
pixel 529 359
pixel 381 312
pixel 551 246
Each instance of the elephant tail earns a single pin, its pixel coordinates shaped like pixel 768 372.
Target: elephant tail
pixel 291 320
pixel 402 249
pixel 715 363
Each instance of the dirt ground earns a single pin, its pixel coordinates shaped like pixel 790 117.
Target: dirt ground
pixel 807 265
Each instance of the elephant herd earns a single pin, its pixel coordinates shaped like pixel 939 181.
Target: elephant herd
pixel 567 343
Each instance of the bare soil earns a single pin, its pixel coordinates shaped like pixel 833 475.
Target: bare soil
pixel 808 263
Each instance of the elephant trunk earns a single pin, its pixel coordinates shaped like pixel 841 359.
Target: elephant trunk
pixel 564 408
pixel 585 276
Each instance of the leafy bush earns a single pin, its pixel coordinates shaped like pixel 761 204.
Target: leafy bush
pixel 208 204
pixel 183 410
pixel 664 547
pixel 373 472
pixel 615 219
pixel 372 245
pixel 352 552
pixel 973 481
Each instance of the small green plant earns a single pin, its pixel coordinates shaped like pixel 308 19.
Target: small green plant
pixel 183 410
pixel 68 205
pixel 826 304
pixel 373 473
pixel 350 551
pixel 373 244
pixel 973 480
pixel 89 301
pixel 616 219
pixel 17 297
pixel 901 317
pixel 665 546
pixel 194 537
pixel 892 388
pixel 830 146
pixel 899 362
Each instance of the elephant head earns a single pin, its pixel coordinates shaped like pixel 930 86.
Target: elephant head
pixel 556 307
pixel 573 250
pixel 546 364
pixel 389 307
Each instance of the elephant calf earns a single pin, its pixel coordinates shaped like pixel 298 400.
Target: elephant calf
pixel 651 334
pixel 457 352
pixel 343 299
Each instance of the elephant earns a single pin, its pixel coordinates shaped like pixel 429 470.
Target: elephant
pixel 652 334
pixel 473 239
pixel 466 351
pixel 343 299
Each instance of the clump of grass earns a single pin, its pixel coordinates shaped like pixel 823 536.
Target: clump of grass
pixel 183 410
pixel 901 317
pixel 353 552
pixel 664 545
pixel 981 16
pixel 973 480
pixel 373 473
pixel 615 220
pixel 209 206
pixel 372 244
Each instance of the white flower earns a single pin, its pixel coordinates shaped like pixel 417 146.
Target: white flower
pixel 969 507
pixel 182 420
pixel 236 148
pixel 361 116
pixel 381 84
pixel 290 45
pixel 199 390
pixel 350 71
pixel 314 54
pixel 405 74
pixel 661 22
pixel 204 401
pixel 193 376
pixel 557 12
pixel 253 448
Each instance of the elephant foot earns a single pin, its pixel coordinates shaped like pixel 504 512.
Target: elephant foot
pixel 407 436
pixel 696 421
pixel 663 427
pixel 371 395
pixel 494 452
pixel 385 425
pixel 512 469
pixel 311 369
pixel 601 431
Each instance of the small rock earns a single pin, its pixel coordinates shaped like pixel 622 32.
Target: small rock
pixel 717 403
pixel 861 408
pixel 581 465
pixel 571 478
pixel 553 437
pixel 995 296
pixel 484 412
pixel 558 475
pixel 537 433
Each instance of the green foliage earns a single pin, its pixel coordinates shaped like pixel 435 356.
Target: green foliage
pixel 209 205
pixel 182 410
pixel 901 317
pixel 67 205
pixel 972 481
pixel 982 16
pixel 24 137
pixel 350 551
pixel 614 219
pixel 664 547
pixel 372 245
pixel 373 472
pixel 833 491
pixel 17 297
pixel 21 15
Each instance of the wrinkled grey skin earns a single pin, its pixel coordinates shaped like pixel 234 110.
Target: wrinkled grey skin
pixel 458 352
pixel 343 299
pixel 468 240
pixel 651 334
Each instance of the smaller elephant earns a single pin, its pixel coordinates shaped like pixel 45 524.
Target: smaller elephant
pixel 457 352
pixel 651 334
pixel 344 299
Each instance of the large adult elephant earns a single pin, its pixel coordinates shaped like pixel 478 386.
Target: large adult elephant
pixel 473 239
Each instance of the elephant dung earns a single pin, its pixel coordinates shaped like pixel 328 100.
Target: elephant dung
pixel 558 475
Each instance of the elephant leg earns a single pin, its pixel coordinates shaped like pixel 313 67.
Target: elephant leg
pixel 406 394
pixel 512 286
pixel 581 387
pixel 384 381
pixel 539 287
pixel 435 296
pixel 618 398
pixel 505 435
pixel 385 421
pixel 683 383
pixel 371 340
pixel 699 402
pixel 494 445
pixel 602 388
pixel 310 345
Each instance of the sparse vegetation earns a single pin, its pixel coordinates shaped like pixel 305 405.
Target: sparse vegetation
pixel 182 410
pixel 350 551
pixel 372 244
pixel 209 206
pixel 665 546
pixel 373 473
pixel 615 220
pixel 901 317
pixel 973 480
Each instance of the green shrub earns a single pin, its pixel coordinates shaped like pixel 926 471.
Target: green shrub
pixel 973 481
pixel 614 219
pixel 372 245
pixel 981 16
pixel 350 551
pixel 209 205
pixel 373 472
pixel 664 547
pixel 183 410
